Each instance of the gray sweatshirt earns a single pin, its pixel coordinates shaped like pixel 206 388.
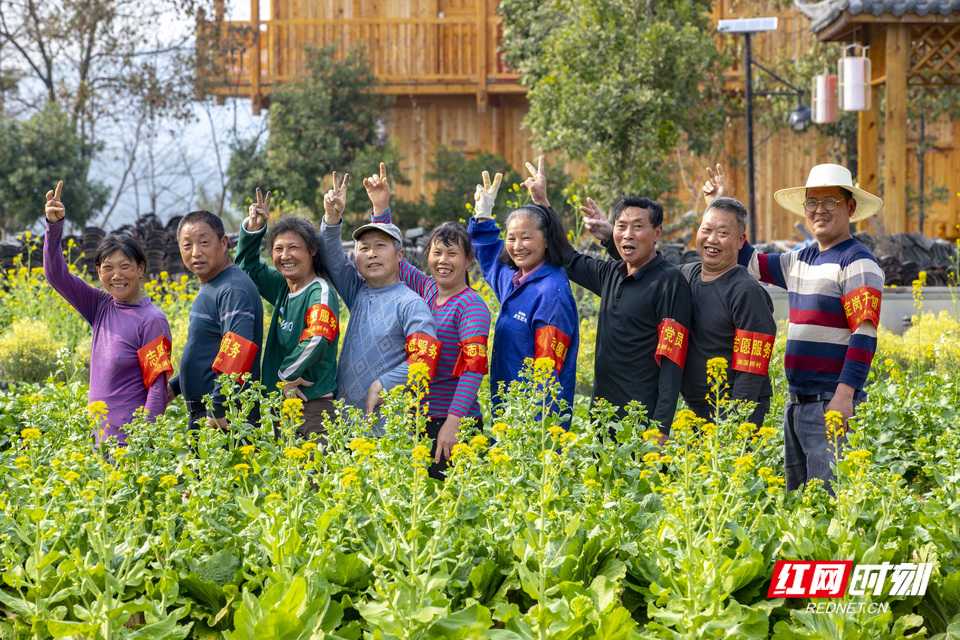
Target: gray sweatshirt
pixel 381 319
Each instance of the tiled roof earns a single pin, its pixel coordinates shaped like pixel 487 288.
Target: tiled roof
pixel 821 14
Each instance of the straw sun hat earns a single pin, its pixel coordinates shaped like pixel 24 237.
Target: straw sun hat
pixel 829 175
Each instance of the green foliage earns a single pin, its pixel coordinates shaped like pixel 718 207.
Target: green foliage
pixel 35 154
pixel 540 534
pixel 27 353
pixel 621 99
pixel 318 124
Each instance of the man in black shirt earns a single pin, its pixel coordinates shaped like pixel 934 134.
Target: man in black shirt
pixel 732 313
pixel 645 307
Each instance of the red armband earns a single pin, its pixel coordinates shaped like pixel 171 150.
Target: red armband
pixel 551 343
pixel 236 355
pixel 751 351
pixel 424 348
pixel 473 356
pixel 320 321
pixel 154 359
pixel 863 303
pixel 672 341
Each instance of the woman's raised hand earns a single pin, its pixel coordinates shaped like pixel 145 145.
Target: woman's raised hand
pixel 54 209
pixel 335 200
pixel 259 212
pixel 536 184
pixel 486 196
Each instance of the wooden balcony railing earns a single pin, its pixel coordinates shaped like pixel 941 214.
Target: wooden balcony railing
pixel 410 55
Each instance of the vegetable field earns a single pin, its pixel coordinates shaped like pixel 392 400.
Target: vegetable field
pixel 537 532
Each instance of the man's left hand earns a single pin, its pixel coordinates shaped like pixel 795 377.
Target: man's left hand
pixel 218 423
pixel 842 403
pixel 373 396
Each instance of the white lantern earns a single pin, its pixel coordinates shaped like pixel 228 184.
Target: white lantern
pixel 824 99
pixel 854 79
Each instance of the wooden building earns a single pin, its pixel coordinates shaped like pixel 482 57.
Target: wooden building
pixel 440 59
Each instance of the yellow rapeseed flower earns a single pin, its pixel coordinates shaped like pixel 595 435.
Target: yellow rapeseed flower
pixel 834 422
pixel 543 369
pixel 651 458
pixel 497 456
pixel 292 409
pixel 168 480
pixel 30 434
pixel 499 429
pixel 97 410
pixel 348 476
pixel 421 454
pixel 591 484
pixel 308 446
pixel 242 468
pixel 555 431
pixel 743 462
pixel 363 447
pixel 419 372
pixel 70 476
pixel 247 450
pixel 479 441
pixel 294 453
pixel 717 371
pixel 653 435
pixel 142 479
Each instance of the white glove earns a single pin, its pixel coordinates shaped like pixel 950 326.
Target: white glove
pixel 486 196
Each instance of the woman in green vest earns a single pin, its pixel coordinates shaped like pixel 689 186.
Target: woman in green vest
pixel 300 350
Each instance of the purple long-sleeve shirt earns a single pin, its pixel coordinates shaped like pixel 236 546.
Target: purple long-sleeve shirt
pixel 119 330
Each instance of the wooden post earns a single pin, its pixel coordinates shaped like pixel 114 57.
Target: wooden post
pixel 895 128
pixel 481 57
pixel 868 132
pixel 256 99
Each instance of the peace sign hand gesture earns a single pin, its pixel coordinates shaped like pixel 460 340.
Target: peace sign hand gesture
pixel 716 185
pixel 536 184
pixel 486 196
pixel 259 211
pixel 54 209
pixel 378 190
pixel 335 200
pixel 595 222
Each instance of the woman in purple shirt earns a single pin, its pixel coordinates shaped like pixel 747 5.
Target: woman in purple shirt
pixel 130 355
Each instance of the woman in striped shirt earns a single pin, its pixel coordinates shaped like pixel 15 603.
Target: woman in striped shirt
pixel 463 325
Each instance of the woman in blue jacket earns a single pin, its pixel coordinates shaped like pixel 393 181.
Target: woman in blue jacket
pixel 538 315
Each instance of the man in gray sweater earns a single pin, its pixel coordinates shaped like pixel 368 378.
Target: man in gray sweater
pixel 390 326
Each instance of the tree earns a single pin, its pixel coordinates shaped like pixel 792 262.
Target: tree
pixel 322 122
pixel 104 62
pixel 36 153
pixel 619 83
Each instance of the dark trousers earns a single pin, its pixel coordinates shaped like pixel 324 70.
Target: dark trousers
pixel 314 412
pixel 438 470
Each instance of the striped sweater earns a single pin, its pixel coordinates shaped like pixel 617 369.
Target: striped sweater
pixel 834 298
pixel 463 316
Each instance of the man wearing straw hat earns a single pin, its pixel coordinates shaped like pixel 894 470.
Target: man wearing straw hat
pixel 835 289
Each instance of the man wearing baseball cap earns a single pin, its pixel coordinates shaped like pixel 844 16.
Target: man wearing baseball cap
pixel 835 289
pixel 390 326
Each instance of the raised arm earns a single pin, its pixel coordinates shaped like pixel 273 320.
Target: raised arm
pixel 485 234
pixel 268 280
pixel 81 296
pixel 343 272
pixel 378 190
